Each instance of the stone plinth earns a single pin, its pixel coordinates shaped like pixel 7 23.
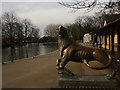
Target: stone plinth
pixel 68 79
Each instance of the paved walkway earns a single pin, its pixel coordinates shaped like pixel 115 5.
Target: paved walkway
pixel 39 72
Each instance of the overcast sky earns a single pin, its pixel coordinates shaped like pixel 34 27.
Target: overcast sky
pixel 42 13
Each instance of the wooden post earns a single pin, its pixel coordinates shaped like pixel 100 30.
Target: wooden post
pixel 118 37
pixel 109 38
pixel 118 40
pixel 112 38
pixel 100 40
pixel 105 34
pixel 117 31
pixel 100 36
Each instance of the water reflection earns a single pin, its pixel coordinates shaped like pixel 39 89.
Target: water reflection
pixel 29 50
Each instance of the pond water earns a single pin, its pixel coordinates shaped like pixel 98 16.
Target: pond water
pixel 29 50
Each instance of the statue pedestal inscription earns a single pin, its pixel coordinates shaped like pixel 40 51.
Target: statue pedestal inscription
pixel 69 80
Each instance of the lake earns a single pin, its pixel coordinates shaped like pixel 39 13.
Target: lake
pixel 29 50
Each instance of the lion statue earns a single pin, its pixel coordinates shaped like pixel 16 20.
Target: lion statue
pixel 73 51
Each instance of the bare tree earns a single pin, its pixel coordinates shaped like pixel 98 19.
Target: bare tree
pixel 50 30
pixel 84 25
pixel 34 33
pixel 0 26
pixel 0 32
pixel 109 5
pixel 30 31
pixel 17 31
pixel 9 20
pixel 26 28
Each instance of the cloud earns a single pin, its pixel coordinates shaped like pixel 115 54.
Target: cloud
pixel 43 13
pixel 51 16
pixel 34 0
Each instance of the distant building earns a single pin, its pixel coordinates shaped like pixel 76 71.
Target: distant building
pixel 87 38
pixel 108 36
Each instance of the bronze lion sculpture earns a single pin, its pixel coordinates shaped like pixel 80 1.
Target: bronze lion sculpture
pixel 73 51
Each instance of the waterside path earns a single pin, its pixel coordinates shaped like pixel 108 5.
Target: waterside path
pixel 39 72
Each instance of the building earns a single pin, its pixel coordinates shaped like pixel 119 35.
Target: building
pixel 87 38
pixel 108 37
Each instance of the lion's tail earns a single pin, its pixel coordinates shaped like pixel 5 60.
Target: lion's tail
pixel 100 68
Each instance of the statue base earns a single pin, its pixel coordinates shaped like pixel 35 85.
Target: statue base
pixel 69 80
